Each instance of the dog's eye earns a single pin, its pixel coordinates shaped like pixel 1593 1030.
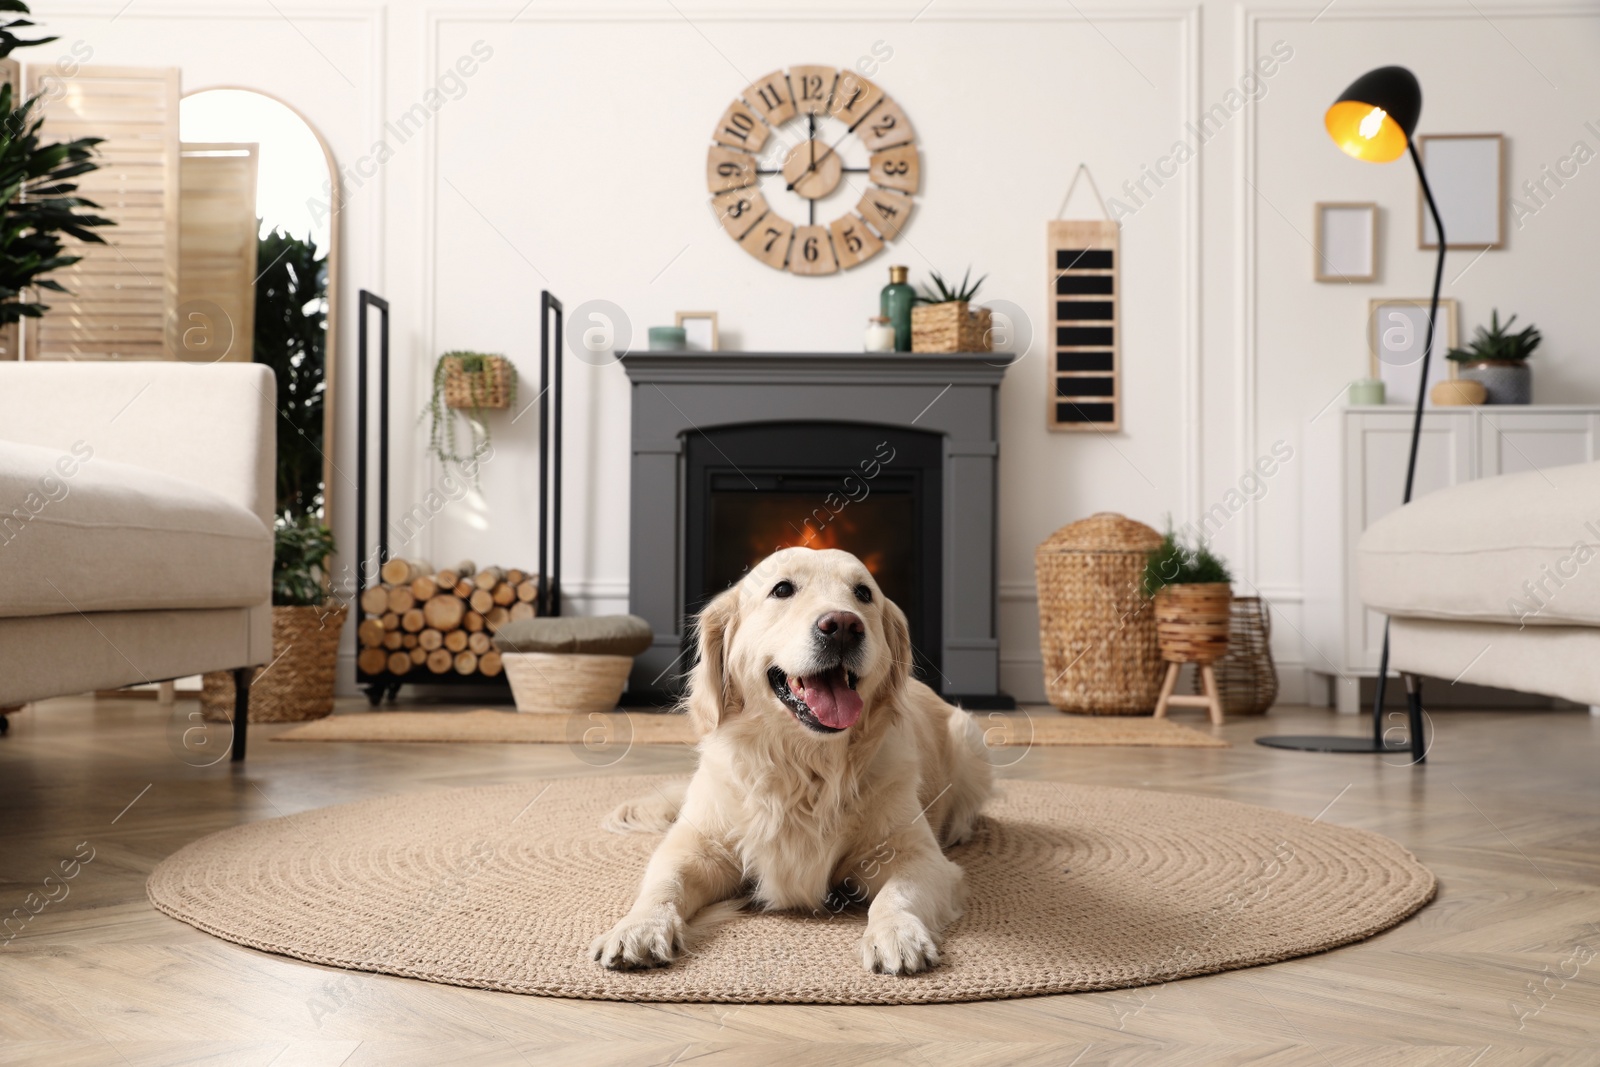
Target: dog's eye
pixel 863 594
pixel 783 590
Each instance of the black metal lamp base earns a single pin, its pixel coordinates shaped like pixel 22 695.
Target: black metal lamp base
pixel 1314 743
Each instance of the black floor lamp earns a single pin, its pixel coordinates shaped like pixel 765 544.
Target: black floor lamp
pixel 1374 120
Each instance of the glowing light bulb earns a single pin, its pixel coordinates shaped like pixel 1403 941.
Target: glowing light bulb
pixel 1373 123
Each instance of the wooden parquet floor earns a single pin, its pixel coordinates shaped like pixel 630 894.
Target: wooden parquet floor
pixel 1503 968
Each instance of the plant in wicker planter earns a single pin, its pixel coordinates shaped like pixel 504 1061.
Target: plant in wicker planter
pixel 472 383
pixel 943 321
pixel 306 622
pixel 1193 598
pixel 1498 360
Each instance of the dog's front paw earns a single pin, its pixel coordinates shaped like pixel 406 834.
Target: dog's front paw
pixel 648 939
pixel 898 944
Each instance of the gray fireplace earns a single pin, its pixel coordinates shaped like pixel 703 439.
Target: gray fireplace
pixel 891 455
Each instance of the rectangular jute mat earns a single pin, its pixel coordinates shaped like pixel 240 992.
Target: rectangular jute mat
pixel 1037 727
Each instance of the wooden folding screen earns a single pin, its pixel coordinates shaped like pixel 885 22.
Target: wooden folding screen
pixel 217 243
pixel 124 293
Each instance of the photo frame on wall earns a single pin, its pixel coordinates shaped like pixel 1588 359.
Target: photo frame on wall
pixel 1396 332
pixel 1346 242
pixel 699 330
pixel 1467 174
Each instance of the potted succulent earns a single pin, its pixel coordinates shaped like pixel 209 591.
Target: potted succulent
pixel 943 321
pixel 1193 597
pixel 306 621
pixel 473 383
pixel 1498 360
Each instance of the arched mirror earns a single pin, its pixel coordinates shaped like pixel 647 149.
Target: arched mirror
pixel 259 263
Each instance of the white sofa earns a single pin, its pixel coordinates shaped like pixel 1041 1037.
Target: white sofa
pixel 1494 582
pixel 136 511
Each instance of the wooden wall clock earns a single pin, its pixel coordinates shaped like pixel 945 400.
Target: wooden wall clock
pixel 790 133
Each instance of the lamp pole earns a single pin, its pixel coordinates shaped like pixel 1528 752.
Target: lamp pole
pixel 1415 705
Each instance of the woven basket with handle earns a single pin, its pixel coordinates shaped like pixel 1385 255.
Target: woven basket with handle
pixel 298 685
pixel 950 327
pixel 486 388
pixel 1097 632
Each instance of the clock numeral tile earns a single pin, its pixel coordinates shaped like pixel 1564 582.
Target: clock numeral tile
pixel 739 209
pixel 768 240
pixel 811 252
pixel 885 126
pixel 812 88
pixel 741 128
pixel 886 210
pixel 853 97
pixel 727 169
pixel 771 98
pixel 853 241
pixel 896 168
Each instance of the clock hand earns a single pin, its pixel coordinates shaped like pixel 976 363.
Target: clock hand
pixel 815 161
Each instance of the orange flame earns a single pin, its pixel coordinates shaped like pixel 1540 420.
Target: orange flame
pixel 842 532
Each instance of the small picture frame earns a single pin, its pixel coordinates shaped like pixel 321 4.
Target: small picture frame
pixel 1467 173
pixel 699 330
pixel 1396 330
pixel 1347 242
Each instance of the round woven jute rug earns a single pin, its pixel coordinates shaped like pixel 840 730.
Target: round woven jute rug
pixel 1070 888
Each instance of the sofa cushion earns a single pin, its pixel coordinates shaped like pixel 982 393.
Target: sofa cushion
pixel 1519 548
pixel 594 635
pixel 83 534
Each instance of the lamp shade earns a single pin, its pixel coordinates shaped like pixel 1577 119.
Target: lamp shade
pixel 1375 117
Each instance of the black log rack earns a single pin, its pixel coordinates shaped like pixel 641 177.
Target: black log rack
pixel 379 684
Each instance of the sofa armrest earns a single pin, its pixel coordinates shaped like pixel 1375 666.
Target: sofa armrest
pixel 210 424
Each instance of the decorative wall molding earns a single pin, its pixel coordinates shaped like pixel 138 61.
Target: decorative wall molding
pixel 1186 17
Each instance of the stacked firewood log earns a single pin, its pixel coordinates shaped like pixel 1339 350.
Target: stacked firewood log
pixel 422 621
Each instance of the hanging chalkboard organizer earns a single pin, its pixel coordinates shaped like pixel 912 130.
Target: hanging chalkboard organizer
pixel 1084 377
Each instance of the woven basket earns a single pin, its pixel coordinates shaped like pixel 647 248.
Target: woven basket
pixel 299 683
pixel 1246 677
pixel 950 327
pixel 488 388
pixel 566 681
pixel 1097 632
pixel 1192 621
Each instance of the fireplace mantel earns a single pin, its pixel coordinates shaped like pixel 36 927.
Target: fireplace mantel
pixel 954 395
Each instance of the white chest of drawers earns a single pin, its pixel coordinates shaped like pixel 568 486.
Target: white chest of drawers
pixel 1355 474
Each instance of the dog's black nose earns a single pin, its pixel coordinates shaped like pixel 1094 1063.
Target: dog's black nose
pixel 844 628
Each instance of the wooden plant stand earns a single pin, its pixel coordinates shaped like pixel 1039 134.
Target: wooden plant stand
pixel 1210 701
pixel 1192 624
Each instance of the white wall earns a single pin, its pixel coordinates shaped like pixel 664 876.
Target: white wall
pixel 572 159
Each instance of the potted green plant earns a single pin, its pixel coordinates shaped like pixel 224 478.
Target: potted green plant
pixel 291 338
pixel 1498 360
pixel 298 683
pixel 1193 598
pixel 942 321
pixel 472 383
pixel 38 201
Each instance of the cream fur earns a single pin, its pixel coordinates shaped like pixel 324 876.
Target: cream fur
pixel 784 814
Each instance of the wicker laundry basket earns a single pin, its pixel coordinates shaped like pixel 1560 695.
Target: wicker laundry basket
pixel 1246 676
pixel 1097 630
pixel 298 685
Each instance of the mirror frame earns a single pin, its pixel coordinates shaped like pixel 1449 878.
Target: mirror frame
pixel 330 345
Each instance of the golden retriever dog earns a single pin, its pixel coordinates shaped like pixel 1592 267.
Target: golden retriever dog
pixel 827 774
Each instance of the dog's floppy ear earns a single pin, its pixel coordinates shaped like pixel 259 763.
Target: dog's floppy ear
pixel 897 632
pixel 711 689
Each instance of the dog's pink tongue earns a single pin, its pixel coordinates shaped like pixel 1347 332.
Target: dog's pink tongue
pixel 831 699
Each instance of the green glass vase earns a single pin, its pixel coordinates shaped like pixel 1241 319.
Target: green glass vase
pixel 894 303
